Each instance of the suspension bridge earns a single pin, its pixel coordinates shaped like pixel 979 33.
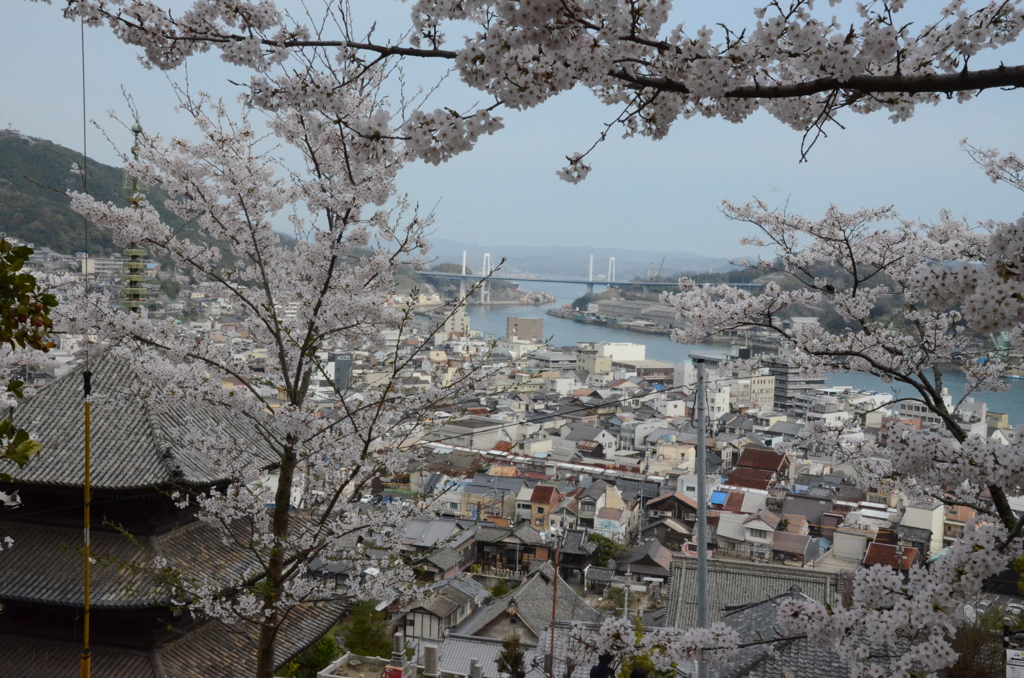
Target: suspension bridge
pixel 487 270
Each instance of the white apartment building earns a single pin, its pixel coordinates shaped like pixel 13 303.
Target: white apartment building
pixel 621 351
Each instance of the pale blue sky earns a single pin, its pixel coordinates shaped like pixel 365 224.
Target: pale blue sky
pixel 642 194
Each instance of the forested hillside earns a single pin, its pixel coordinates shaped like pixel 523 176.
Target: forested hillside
pixel 34 175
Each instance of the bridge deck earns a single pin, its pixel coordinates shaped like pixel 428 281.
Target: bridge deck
pixel 573 281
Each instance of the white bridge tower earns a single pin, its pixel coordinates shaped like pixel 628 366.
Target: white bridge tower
pixel 486 270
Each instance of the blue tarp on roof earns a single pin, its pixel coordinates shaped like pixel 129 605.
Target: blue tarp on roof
pixel 718 497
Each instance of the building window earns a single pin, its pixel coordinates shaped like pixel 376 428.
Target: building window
pixel 539 522
pixel 759 534
pixel 540 510
pixel 453 505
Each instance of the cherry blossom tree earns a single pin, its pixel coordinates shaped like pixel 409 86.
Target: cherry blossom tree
pixel 917 297
pixel 802 65
pixel 951 285
pixel 330 175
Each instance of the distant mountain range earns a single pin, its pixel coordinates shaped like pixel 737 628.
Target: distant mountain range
pixel 574 262
pixel 34 175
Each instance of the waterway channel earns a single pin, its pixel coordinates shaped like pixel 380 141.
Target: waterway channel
pixel 563 332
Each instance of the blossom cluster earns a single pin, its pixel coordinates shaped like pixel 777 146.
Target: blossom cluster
pixel 226 189
pixel 800 65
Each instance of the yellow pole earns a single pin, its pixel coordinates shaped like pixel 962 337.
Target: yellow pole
pixel 86 668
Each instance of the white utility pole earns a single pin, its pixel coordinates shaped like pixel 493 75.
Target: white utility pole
pixel 702 510
pixel 591 276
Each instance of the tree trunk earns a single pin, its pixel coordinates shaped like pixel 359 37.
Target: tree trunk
pixel 265 649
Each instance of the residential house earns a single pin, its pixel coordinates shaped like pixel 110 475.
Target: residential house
pixel 648 561
pixel 575 550
pixel 527 609
pixel 588 503
pixel 791 548
pixel 524 504
pixel 490 496
pixel 896 556
pixel 953 521
pixel 614 518
pixel 765 460
pixel 566 515
pixel 543 502
pixel 583 433
pixel 451 602
pixel 931 515
pixel 810 507
pixel 759 527
pixel 672 504
pixel 510 550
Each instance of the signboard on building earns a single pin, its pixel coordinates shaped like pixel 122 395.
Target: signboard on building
pixel 342 370
pixel 1014 663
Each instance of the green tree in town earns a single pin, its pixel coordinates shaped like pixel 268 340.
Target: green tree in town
pixel 315 659
pixel 607 549
pixel 365 632
pixel 24 324
pixel 512 658
pixel 502 588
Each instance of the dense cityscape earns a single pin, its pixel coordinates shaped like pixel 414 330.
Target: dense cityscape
pixel 581 455
pixel 511 339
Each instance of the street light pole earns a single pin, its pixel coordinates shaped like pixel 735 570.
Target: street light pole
pixel 702 510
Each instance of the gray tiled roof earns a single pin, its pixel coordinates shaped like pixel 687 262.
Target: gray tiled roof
pixel 483 484
pixel 211 651
pixel 528 534
pixel 457 650
pixel 491 533
pixel 577 542
pixel 46 566
pixel 583 432
pixel 133 440
pixel 429 532
pixel 471 587
pixel 444 559
pixel 654 618
pixel 737 583
pixel 918 534
pixel 532 601
pixel 567 636
pixel 801 658
pixel 440 606
pixel 48 659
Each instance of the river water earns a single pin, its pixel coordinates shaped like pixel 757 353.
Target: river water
pixel 562 332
